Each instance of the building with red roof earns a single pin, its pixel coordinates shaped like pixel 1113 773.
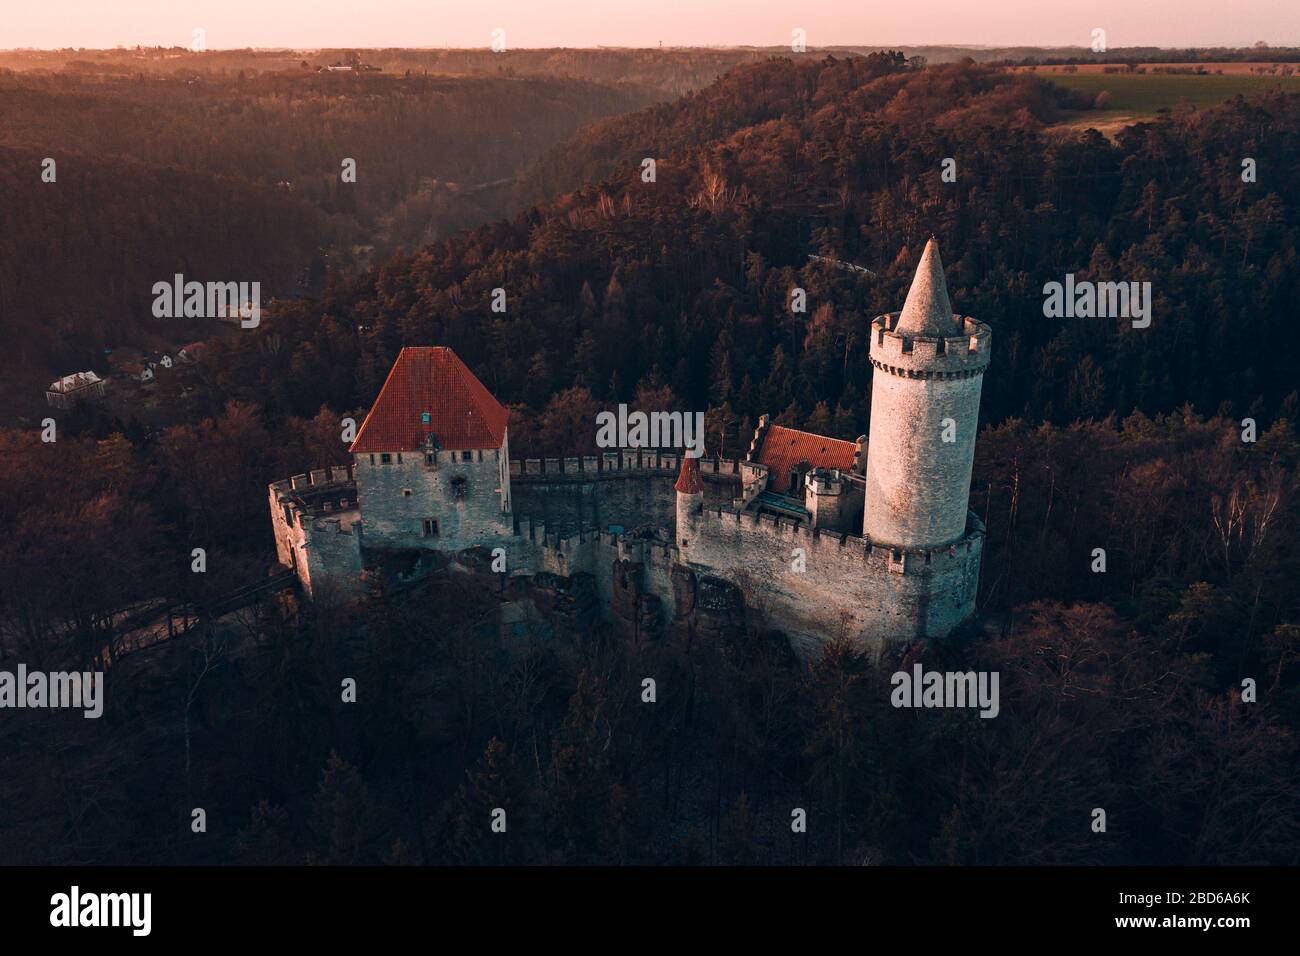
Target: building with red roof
pixel 432 458
pixel 430 395
pixel 789 454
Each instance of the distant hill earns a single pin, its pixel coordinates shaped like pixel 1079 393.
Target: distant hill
pixel 620 285
pixel 232 177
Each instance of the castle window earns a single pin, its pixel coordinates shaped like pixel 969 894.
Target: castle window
pixel 372 459
pixel 467 456
pixel 399 457
pixel 406 492
pixel 428 458
pixel 458 488
pixel 431 527
pixel 385 458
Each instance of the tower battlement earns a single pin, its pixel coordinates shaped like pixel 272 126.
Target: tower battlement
pixel 911 355
pixel 315 494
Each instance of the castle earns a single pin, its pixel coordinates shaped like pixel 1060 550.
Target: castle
pixel 810 536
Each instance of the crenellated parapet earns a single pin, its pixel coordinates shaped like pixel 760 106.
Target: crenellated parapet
pixel 317 524
pixel 874 558
pixel 930 356
pixel 315 495
pixel 613 465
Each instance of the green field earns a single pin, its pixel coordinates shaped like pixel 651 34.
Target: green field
pixel 1144 93
pixel 1136 97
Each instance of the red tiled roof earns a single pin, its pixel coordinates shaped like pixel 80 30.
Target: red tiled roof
pixel 783 448
pixel 462 412
pixel 689 481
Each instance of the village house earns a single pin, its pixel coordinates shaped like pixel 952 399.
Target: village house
pixel 77 387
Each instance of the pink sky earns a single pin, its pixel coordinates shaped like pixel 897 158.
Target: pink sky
pixel 585 23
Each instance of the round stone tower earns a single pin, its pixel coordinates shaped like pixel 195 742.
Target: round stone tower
pixel 690 500
pixel 925 398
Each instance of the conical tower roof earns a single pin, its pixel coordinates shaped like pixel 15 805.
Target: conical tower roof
pixel 689 481
pixel 927 310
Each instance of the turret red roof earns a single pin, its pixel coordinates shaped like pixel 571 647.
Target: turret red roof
pixel 689 481
pixel 432 384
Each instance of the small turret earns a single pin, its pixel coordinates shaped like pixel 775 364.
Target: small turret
pixel 690 499
pixel 824 497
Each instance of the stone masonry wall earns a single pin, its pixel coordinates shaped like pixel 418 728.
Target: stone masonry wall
pixel 871 594
pixel 394 519
pixel 874 594
pixel 918 486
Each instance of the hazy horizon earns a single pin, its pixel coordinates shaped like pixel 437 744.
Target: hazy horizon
pixel 585 24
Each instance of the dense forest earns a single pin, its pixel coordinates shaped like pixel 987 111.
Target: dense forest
pixel 686 282
pixel 1120 689
pixel 229 177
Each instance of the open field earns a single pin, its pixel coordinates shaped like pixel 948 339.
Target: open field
pixel 1137 97
pixel 1243 68
pixel 1144 93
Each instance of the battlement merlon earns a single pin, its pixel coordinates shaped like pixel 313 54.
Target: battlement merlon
pixel 317 493
pixel 930 356
pixel 618 465
pixel 824 481
pixel 721 521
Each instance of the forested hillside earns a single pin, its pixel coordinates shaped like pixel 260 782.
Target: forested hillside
pixel 686 282
pixel 790 91
pixel 231 178
pixel 1120 690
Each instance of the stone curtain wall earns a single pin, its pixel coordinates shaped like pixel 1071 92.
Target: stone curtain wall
pixel 649 586
pixel 875 594
pixel 630 500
